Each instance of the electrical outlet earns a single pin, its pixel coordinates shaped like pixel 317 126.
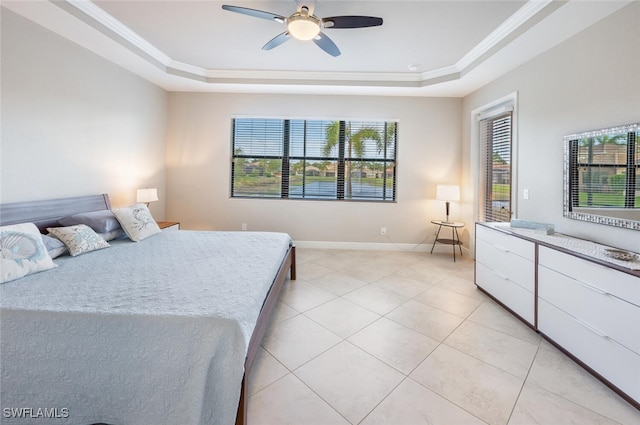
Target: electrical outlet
pixel 244 226
pixel 383 231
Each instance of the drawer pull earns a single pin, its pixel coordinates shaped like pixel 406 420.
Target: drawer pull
pixel 500 275
pixel 593 288
pixel 592 329
pixel 501 248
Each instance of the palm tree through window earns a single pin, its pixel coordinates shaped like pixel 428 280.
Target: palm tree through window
pixel 316 159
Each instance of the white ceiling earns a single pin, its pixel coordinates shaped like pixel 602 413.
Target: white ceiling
pixel 424 47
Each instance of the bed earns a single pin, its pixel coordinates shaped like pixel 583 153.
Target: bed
pixel 161 331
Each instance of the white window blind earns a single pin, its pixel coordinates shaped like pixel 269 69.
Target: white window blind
pixel 317 159
pixel 496 173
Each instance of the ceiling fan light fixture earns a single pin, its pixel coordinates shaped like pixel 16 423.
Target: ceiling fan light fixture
pixel 303 27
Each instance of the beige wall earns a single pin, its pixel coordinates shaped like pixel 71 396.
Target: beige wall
pixel 591 81
pixel 198 167
pixel 75 124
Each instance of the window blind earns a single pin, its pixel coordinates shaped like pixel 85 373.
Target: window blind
pixel 605 170
pixel 257 157
pixel 317 159
pixel 496 179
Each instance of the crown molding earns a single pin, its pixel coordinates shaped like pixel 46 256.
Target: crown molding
pixel 94 16
pixel 514 24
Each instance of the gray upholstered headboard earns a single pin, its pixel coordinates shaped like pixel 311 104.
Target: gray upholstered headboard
pixel 47 213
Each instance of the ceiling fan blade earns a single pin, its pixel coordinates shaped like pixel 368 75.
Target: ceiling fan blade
pixel 255 13
pixel 326 44
pixel 276 41
pixel 351 22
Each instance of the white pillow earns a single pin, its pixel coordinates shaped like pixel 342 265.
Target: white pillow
pixel 137 221
pixel 79 238
pixel 22 252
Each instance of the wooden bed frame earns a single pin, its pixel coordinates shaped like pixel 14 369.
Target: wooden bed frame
pixel 47 213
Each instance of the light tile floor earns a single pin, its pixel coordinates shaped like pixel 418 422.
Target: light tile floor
pixel 405 338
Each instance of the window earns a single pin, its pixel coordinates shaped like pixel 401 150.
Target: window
pixel 496 174
pixel 314 159
pixel 605 170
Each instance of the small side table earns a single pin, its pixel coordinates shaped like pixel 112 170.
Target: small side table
pixel 454 225
pixel 169 225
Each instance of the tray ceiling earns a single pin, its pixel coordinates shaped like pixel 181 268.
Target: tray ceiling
pixel 424 48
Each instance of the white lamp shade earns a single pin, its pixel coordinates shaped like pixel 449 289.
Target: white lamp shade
pixel 147 195
pixel 448 192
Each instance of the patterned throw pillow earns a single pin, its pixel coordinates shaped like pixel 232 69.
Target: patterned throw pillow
pixel 79 239
pixel 22 252
pixel 137 221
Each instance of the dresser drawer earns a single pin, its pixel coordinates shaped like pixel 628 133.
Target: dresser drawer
pixel 605 314
pixel 515 297
pixel 506 243
pixel 614 282
pixel 616 363
pixel 506 264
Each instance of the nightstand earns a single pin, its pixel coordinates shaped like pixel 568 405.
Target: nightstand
pixel 454 225
pixel 169 225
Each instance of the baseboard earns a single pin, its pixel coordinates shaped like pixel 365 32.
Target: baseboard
pixel 374 246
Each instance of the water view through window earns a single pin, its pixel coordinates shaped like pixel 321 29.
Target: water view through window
pixel 314 159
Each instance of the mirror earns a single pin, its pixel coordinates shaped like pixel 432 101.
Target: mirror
pixel 602 176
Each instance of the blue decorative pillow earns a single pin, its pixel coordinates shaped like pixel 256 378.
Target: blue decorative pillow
pixel 54 246
pixel 79 239
pixel 114 234
pixel 22 252
pixel 102 221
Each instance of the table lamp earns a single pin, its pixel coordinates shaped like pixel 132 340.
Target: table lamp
pixel 147 195
pixel 448 192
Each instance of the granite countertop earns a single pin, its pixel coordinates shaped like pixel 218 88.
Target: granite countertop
pixel 570 243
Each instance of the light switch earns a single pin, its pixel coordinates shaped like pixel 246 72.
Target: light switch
pixel 525 193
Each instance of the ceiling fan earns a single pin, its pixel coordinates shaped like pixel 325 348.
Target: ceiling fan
pixel 304 25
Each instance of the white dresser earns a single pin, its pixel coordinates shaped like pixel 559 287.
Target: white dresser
pixel 505 268
pixel 589 308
